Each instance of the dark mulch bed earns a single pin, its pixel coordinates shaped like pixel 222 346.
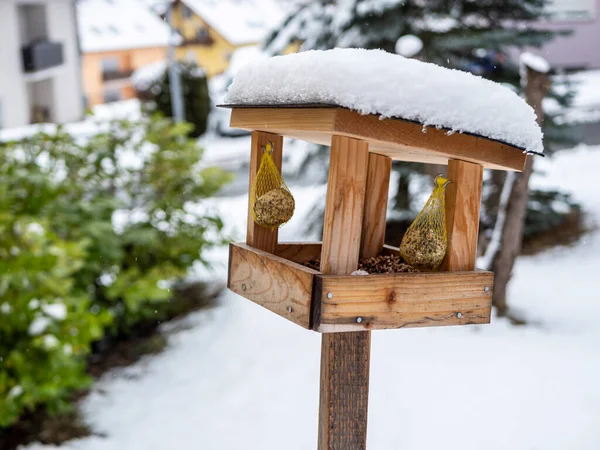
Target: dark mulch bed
pixel 111 352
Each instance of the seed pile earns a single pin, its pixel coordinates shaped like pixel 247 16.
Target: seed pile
pixel 423 248
pixel 377 264
pixel 274 208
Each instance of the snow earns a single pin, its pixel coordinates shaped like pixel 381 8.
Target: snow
pixel 57 311
pixel 106 25
pixel 409 45
pixel 240 22
pixel 585 106
pixel 39 325
pixel 144 77
pixel 238 373
pixel 534 62
pixel 376 82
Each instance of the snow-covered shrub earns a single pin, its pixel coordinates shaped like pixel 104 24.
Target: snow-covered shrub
pixel 156 88
pixel 92 236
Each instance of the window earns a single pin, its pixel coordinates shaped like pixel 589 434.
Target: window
pixel 110 65
pixel 186 12
pixel 571 10
pixel 202 33
pixel 111 95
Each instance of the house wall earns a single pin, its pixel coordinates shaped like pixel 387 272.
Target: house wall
pixel 213 56
pixel 580 49
pixel 67 87
pixel 64 83
pixel 129 60
pixel 13 93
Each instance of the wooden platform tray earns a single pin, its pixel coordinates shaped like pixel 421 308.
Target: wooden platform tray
pixel 399 139
pixel 334 303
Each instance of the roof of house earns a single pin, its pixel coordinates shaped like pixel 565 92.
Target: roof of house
pixel 109 25
pixel 239 21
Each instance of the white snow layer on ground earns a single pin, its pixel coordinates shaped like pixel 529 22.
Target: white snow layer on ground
pixel 377 82
pixel 239 377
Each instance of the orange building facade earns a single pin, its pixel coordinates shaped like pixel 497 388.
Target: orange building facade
pixel 107 75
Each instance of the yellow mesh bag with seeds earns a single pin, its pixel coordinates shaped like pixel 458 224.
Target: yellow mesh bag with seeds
pixel 272 202
pixel 425 242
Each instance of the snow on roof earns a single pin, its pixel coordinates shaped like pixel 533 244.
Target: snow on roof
pixel 376 82
pixel 108 25
pixel 239 21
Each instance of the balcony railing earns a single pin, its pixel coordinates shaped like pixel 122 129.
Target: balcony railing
pixel 116 75
pixel 42 55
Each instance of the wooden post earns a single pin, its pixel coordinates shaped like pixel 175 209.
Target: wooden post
pixel 257 236
pixel 375 211
pixel 463 200
pixel 345 357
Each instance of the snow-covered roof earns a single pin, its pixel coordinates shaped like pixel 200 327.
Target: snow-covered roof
pixel 239 21
pixel 108 25
pixel 376 82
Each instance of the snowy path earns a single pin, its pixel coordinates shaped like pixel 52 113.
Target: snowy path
pixel 237 377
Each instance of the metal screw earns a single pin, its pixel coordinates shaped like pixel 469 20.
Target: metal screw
pixel 486 289
pixel 289 309
pixel 243 287
pixel 459 315
pixel 358 319
pixel 329 295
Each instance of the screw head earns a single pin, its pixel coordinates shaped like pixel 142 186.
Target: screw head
pixel 329 295
pixel 459 315
pixel 359 319
pixel 289 309
pixel 243 287
pixel 486 289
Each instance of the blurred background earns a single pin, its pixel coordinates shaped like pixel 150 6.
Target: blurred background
pixel 121 183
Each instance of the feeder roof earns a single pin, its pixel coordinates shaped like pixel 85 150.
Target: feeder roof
pixel 374 82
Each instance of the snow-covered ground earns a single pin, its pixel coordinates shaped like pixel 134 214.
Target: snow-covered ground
pixel 239 377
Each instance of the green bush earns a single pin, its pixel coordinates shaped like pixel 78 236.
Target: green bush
pixel 93 232
pixel 196 97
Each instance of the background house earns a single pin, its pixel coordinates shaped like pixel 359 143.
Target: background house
pixel 117 37
pixel 39 63
pixel 213 29
pixel 580 49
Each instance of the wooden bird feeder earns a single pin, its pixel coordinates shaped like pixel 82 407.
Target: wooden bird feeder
pixel 343 307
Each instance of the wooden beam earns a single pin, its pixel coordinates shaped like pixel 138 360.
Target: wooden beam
pixel 344 356
pixel 463 200
pixel 399 139
pixel 279 285
pixel 257 236
pixel 299 252
pixel 375 211
pixel 377 302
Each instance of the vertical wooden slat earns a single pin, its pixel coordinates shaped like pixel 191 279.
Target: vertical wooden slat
pixel 344 356
pixel 375 210
pixel 257 236
pixel 463 200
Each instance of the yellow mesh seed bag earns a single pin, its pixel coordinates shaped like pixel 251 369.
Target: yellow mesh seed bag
pixel 425 242
pixel 272 202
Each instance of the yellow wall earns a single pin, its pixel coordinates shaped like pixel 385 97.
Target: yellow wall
pixel 129 60
pixel 213 56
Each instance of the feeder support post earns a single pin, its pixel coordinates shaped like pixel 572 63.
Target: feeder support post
pixel 345 357
pixel 376 200
pixel 463 200
pixel 257 236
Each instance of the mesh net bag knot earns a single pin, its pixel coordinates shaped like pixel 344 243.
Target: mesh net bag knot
pixel 272 202
pixel 425 242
